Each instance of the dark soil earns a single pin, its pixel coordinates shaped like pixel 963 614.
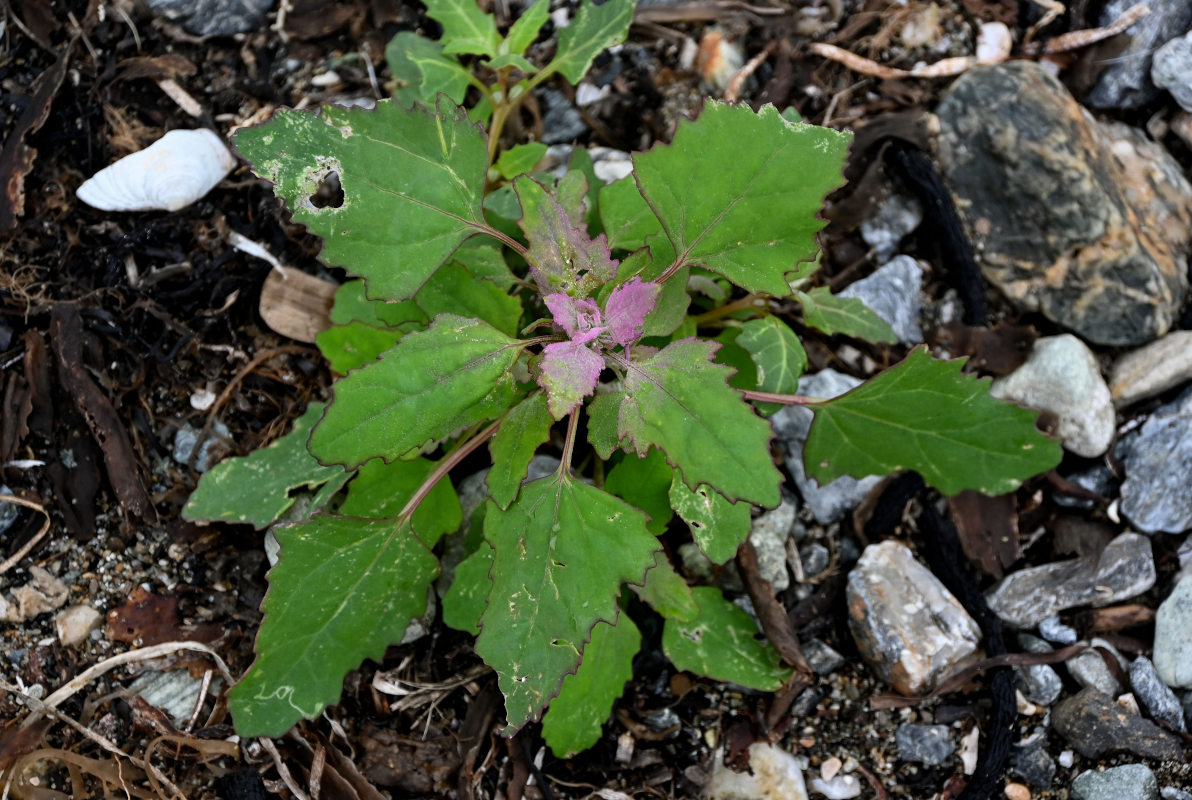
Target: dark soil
pixel 112 326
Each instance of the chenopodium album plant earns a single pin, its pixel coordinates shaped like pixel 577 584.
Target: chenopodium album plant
pixel 626 328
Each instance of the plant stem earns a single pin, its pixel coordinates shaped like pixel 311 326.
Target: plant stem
pixel 453 458
pixel 745 303
pixel 504 239
pixel 669 272
pixel 784 399
pixel 569 444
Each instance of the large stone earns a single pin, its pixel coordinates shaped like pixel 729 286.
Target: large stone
pixel 910 629
pixel 894 292
pixel 1155 494
pixel 1061 375
pixel 1053 213
pixel 1126 83
pixel 1096 726
pixel 1152 369
pixel 1173 637
pixel 830 502
pixel 1124 569
pixel 1127 782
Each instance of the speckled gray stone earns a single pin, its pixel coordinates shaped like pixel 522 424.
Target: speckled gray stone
pixel 1062 376
pixel 1034 765
pixel 213 17
pixel 832 501
pixel 1172 69
pixel 1054 630
pixel 924 744
pixel 894 292
pixel 769 534
pixel 1125 569
pixel 1083 222
pixel 1127 782
pixel 907 626
pixel 1090 670
pixel 1155 494
pixel 1039 683
pixel 1126 83
pixel 896 216
pixel 1154 695
pixel 1173 637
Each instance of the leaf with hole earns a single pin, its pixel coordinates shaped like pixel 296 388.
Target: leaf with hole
pixel 412 185
pixel 718 526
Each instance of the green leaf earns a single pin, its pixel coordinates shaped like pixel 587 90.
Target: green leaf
pixel 524 428
pixel 380 490
pixel 594 29
pixel 924 415
pixel 353 305
pixel 466 29
pixel 258 488
pixel 739 192
pixel 412 184
pixel 602 423
pixel 576 717
pixel 643 483
pixel 718 526
pixel 347 347
pixel 777 354
pixel 450 376
pixel 832 314
pixel 485 262
pixel 562 552
pixel 721 643
pixel 454 290
pixel 525 28
pixel 511 60
pixel 679 401
pixel 627 217
pixel 420 71
pixel 343 590
pixel 521 158
pixel 465 601
pixel 666 592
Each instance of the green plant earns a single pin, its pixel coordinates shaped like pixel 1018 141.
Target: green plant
pixel 501 318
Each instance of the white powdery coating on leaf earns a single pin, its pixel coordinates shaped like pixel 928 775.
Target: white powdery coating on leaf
pixel 626 310
pixel 569 372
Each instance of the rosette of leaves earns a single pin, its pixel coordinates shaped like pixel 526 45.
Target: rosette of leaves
pixel 460 331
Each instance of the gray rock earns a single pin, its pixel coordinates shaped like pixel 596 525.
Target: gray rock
pixel 1157 462
pixel 561 123
pixel 174 692
pixel 1154 695
pixel 822 658
pixel 1066 229
pixel 815 558
pixel 1040 683
pixel 213 17
pixel 1152 369
pixel 184 444
pixel 1062 376
pixel 1095 726
pixel 1029 596
pixel 895 218
pixel 1186 704
pixel 1054 630
pixel 894 292
pixel 1127 82
pixel 907 626
pixel 924 744
pixel 830 502
pixel 1172 793
pixel 1034 765
pixel 1173 637
pixel 1098 479
pixel 8 511
pixel 769 534
pixel 1128 782
pixel 1090 670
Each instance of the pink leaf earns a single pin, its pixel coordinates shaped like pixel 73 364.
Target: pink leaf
pixel 569 371
pixel 627 308
pixel 581 319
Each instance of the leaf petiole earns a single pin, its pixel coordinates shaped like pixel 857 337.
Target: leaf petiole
pixel 569 444
pixel 446 465
pixel 783 399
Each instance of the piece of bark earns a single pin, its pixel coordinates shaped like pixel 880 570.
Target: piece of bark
pixel 297 305
pixel 988 529
pixel 773 616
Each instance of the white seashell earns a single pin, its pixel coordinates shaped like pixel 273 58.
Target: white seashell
pixel 173 172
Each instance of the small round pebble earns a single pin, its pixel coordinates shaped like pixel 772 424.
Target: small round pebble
pixel 1017 791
